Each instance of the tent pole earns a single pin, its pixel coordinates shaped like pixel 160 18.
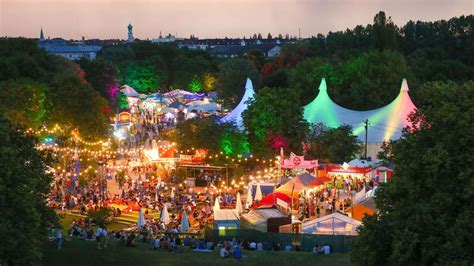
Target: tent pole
pixel 366 134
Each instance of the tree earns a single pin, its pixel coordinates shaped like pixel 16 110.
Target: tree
pixel 209 81
pixel 24 102
pixel 306 76
pixel 426 212
pixel 102 76
pixel 76 105
pixel 256 56
pixel 273 120
pixel 232 76
pixel 142 77
pixel 385 32
pixel 195 85
pixel 24 186
pixel 369 81
pixel 334 145
pixel 196 133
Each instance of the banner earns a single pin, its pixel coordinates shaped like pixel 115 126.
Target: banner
pixel 298 162
pixel 334 169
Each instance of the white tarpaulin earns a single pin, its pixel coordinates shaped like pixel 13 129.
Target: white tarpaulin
pixel 332 224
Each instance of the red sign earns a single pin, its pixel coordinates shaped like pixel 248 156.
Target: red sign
pixel 296 160
pixel 299 162
pixel 349 170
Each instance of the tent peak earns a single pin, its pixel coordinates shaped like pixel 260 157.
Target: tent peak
pixel 322 85
pixel 248 84
pixel 404 86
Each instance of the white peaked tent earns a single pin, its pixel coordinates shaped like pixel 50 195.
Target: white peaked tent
pixel 217 206
pixel 258 193
pixel 332 224
pixel 249 201
pixel 385 123
pixel 129 91
pixel 184 222
pixel 141 219
pixel 165 217
pixel 236 114
pixel 238 204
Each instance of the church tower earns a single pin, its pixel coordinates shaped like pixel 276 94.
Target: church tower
pixel 41 35
pixel 130 33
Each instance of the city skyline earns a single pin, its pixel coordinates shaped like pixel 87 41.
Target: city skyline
pixel 108 19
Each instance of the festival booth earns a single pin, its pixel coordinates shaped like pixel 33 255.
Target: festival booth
pixel 277 198
pixel 226 219
pixel 332 224
pixel 132 95
pixel 265 187
pixel 345 170
pixel 264 220
pixel 366 207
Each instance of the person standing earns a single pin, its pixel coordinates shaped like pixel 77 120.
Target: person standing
pixel 98 237
pixel 104 236
pixel 58 238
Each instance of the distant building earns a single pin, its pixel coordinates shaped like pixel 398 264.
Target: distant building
pixel 227 48
pixel 130 33
pixel 167 39
pixel 41 35
pixel 229 51
pixel 68 49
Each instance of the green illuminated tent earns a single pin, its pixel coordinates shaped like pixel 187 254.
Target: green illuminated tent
pixel 385 123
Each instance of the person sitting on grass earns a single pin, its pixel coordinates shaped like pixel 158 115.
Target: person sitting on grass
pixel 326 249
pixel 237 252
pixel 131 240
pixel 224 252
pixel 316 249
pixel 202 244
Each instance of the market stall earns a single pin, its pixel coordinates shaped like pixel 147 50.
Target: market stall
pixel 332 224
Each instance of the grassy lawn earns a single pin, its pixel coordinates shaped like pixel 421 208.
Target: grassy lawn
pixel 81 252
pixel 66 223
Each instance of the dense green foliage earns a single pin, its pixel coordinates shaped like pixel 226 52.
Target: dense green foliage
pixel 23 189
pixel 40 89
pixel 149 67
pixel 335 145
pixel 427 207
pixel 363 66
pixel 274 120
pixel 226 138
pixel 231 80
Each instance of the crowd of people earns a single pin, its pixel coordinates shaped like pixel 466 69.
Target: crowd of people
pixel 336 196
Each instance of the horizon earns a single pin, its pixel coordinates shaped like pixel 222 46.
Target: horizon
pixel 108 19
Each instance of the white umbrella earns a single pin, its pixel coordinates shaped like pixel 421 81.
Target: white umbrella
pixel 184 222
pixel 141 219
pixel 165 217
pixel 217 206
pixel 249 201
pixel 238 204
pixel 258 193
